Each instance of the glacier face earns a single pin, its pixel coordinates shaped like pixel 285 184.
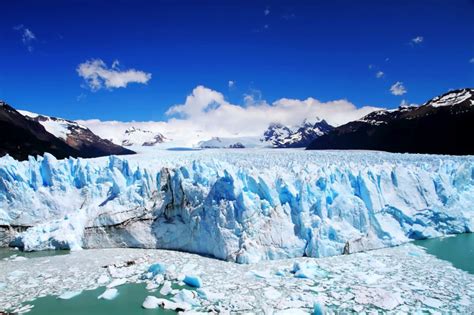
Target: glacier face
pixel 243 206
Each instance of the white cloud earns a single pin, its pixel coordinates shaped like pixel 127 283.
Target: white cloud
pixel 80 97
pixel 417 40
pixel 379 74
pixel 405 103
pixel 27 36
pixel 398 89
pixel 206 113
pixel 471 60
pixel 97 75
pixel 266 12
pixel 231 83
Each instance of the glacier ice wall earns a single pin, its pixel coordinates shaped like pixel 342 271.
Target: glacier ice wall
pixel 238 205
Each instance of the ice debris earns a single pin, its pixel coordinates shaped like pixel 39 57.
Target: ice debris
pixel 109 294
pixel 116 283
pixel 193 281
pixel 156 269
pixel 69 295
pixel 152 302
pixel 407 284
pixel 308 270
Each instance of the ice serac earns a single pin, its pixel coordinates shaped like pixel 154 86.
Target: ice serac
pixel 242 206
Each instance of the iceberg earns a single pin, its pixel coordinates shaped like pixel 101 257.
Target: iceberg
pixel 69 295
pixel 193 281
pixel 237 205
pixel 109 294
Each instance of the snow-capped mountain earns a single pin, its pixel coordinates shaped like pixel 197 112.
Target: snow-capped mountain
pixel 21 137
pixel 139 137
pixel 281 136
pixel 25 133
pixel 231 143
pixel 444 125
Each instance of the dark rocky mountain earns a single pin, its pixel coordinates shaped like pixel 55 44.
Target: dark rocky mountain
pixel 23 134
pixel 301 136
pixel 443 125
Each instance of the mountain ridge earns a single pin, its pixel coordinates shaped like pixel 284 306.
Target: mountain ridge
pixel 441 125
pixel 24 133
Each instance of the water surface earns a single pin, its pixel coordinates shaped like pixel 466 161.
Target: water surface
pixel 128 302
pixel 458 249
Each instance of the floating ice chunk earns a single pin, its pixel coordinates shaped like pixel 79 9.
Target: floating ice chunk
pixel 18 258
pixel 291 311
pixel 109 294
pixel 271 293
pixel 187 296
pixel 259 274
pixel 16 273
pixel 23 309
pixel 308 270
pixel 431 302
pixel 387 300
pixel 193 281
pixel 166 288
pixel 157 268
pixel 358 308
pixel 69 295
pixel 103 279
pixel 116 282
pixel 152 302
pixel 210 295
pixel 369 278
pixel 318 308
pixel 152 286
pixel 381 298
pixel 189 267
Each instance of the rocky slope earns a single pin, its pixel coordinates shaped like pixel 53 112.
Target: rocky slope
pixel 23 133
pixel 21 137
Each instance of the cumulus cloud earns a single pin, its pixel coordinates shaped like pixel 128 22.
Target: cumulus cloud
pixel 417 40
pixel 97 75
pixel 27 36
pixel 398 88
pixel 206 113
pixel 231 83
pixel 379 74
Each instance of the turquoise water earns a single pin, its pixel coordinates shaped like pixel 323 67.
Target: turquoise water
pixel 128 302
pixel 459 250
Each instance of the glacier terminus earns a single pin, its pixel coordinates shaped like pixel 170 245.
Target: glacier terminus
pixel 237 205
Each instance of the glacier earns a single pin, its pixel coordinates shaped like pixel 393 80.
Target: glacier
pixel 238 205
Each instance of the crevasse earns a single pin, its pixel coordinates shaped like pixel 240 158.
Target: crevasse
pixel 243 206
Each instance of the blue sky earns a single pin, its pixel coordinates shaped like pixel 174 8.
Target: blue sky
pixel 328 50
